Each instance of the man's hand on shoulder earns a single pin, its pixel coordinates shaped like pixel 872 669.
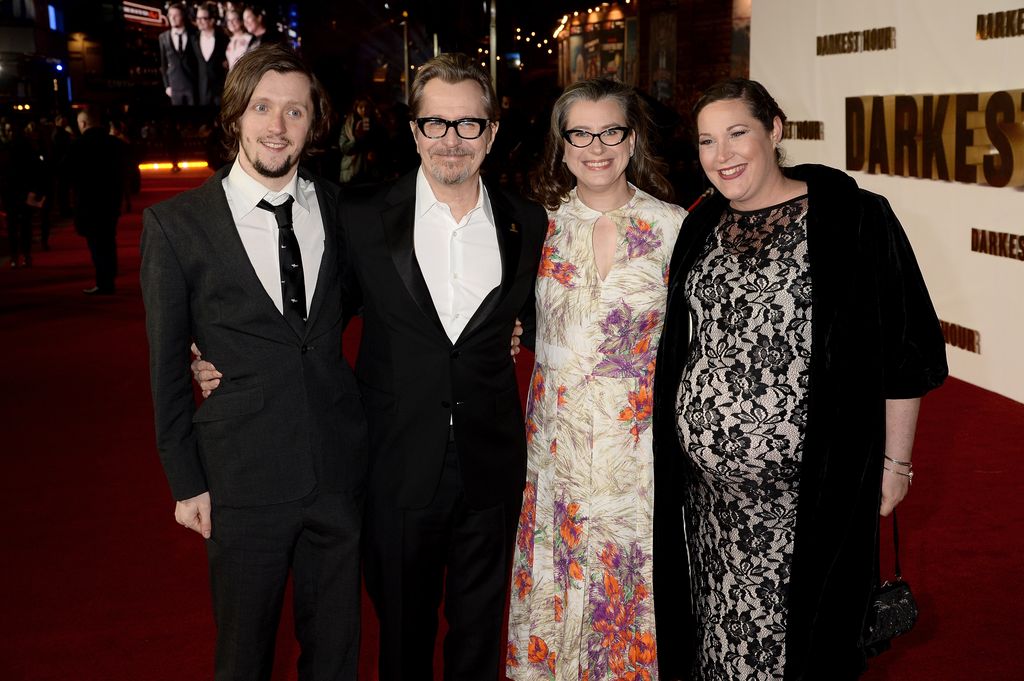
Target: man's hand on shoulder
pixel 517 331
pixel 204 373
pixel 194 514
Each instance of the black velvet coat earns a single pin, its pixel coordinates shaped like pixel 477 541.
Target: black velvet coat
pixel 874 337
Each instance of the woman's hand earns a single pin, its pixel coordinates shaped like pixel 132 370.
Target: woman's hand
pixel 894 489
pixel 900 424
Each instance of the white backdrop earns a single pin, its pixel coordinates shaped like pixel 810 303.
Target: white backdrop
pixel 936 53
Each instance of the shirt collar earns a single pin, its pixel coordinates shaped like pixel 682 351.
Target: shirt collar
pixel 426 199
pixel 247 191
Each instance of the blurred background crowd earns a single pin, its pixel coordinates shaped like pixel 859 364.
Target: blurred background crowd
pixel 152 72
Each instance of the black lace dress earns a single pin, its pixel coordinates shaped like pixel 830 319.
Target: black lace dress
pixel 741 417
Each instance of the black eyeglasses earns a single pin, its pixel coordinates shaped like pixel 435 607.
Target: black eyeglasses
pixel 466 128
pixel 609 137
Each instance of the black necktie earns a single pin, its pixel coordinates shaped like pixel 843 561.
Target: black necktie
pixel 293 286
pixel 181 43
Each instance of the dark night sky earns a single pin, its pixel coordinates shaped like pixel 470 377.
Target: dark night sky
pixel 345 41
pixel 460 24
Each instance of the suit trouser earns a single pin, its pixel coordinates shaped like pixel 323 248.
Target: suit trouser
pixel 101 236
pixel 414 555
pixel 19 229
pixel 186 98
pixel 251 551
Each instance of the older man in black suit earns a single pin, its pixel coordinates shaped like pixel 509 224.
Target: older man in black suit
pixel 445 262
pixel 270 470
pixel 211 55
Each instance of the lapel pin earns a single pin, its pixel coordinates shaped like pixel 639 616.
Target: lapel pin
pixel 514 228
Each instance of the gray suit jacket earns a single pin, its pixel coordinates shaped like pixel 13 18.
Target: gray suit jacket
pixel 180 71
pixel 287 418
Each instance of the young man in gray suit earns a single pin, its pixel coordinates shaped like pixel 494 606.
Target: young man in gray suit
pixel 179 67
pixel 270 469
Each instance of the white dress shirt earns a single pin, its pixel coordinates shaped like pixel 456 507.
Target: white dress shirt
pixel 459 260
pixel 258 228
pixel 207 42
pixel 175 33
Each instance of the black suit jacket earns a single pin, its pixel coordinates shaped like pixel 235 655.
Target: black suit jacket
pixel 414 379
pixel 180 71
pixel 270 37
pixel 212 71
pixel 287 417
pixel 97 165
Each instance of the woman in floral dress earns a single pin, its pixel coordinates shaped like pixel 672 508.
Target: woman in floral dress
pixel 581 593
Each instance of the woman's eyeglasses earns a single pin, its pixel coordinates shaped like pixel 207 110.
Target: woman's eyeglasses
pixel 609 137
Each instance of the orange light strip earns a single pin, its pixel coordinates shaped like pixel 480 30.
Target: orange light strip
pixel 164 165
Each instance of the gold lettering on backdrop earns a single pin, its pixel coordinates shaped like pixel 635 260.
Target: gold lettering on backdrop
pixel 961 337
pixel 803 130
pixel 972 138
pixel 1009 24
pixel 1002 244
pixel 868 40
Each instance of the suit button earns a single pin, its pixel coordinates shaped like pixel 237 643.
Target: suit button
pixel 305 349
pixel 446 404
pixel 455 354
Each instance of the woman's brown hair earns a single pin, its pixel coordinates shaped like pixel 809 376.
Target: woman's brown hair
pixel 552 181
pixel 755 96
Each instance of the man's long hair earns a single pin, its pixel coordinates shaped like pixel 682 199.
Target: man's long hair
pixel 242 80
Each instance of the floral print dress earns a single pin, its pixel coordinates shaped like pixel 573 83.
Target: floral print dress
pixel 581 587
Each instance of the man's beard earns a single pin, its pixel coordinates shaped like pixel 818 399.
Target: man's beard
pixel 444 173
pixel 266 171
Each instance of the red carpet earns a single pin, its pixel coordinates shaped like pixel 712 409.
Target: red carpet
pixel 100 583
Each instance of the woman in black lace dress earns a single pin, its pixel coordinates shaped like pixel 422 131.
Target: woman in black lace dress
pixel 799 338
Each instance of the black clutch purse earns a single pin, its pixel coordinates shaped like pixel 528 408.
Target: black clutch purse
pixel 893 610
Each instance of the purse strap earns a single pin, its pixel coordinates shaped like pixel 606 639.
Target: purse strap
pixel 896 551
pixel 896 545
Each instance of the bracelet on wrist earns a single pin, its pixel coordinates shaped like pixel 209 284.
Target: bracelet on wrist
pixel 909 475
pixel 905 464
